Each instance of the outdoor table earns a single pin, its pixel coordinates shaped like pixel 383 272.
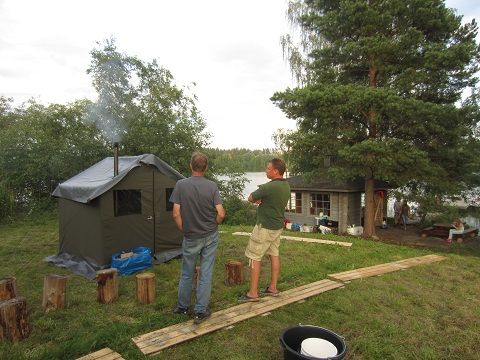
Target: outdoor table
pixel 444 227
pixel 440 230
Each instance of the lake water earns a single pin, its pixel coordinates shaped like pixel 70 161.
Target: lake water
pixel 254 180
pixel 472 221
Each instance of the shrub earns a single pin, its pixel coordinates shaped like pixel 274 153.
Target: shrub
pixel 6 202
pixel 239 212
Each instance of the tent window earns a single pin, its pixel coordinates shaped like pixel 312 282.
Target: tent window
pixel 169 204
pixel 127 202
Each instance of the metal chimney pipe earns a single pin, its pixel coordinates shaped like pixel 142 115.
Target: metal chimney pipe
pixel 115 158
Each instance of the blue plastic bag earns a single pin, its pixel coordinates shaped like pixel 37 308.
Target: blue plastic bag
pixel 140 260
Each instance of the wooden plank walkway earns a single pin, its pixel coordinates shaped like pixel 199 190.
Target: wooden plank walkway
pixel 154 342
pixel 104 354
pixel 296 238
pixel 385 268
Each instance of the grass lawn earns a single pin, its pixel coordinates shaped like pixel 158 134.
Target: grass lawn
pixel 425 312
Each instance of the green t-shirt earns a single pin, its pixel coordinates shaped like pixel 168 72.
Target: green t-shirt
pixel 275 195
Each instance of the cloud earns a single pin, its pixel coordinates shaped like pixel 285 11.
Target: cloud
pixel 230 49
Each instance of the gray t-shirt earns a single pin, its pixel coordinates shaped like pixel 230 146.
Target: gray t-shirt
pixel 197 198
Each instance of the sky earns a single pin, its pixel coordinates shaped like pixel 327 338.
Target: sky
pixel 230 49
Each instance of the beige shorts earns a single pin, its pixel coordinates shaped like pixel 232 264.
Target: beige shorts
pixel 263 242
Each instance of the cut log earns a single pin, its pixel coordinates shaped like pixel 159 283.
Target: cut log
pixel 13 319
pixel 233 272
pixel 145 288
pixel 54 292
pixel 107 286
pixel 8 288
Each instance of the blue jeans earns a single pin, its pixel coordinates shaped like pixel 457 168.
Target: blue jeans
pixel 191 250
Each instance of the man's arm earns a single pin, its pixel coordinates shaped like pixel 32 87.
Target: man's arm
pixel 258 202
pixel 177 216
pixel 220 213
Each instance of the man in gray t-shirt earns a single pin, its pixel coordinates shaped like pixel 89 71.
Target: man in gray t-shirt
pixel 197 198
pixel 197 211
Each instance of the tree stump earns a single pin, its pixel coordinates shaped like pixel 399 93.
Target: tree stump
pixel 233 272
pixel 107 286
pixel 13 319
pixel 196 279
pixel 54 292
pixel 145 288
pixel 8 288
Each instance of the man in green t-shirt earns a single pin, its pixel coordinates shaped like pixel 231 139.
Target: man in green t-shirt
pixel 271 198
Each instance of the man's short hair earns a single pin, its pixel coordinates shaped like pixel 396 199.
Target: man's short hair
pixel 279 165
pixel 199 162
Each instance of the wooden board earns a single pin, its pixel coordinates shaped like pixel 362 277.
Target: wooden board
pixel 104 354
pixel 295 238
pixel 154 342
pixel 385 268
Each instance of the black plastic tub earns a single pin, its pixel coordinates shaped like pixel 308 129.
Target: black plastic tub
pixel 292 337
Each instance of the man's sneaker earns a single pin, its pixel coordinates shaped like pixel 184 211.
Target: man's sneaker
pixel 179 311
pixel 201 316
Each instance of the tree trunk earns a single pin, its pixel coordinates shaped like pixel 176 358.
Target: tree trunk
pixel 233 272
pixel 369 223
pixel 8 288
pixel 54 292
pixel 13 319
pixel 145 288
pixel 107 286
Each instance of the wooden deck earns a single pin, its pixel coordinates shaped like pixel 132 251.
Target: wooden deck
pixel 104 354
pixel 295 238
pixel 385 268
pixel 154 342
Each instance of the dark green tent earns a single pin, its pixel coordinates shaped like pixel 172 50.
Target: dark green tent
pixel 102 211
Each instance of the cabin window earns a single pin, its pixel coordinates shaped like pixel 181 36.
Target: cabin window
pixel 295 203
pixel 319 203
pixel 169 204
pixel 127 202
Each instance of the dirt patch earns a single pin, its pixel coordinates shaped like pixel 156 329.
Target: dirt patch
pixel 412 236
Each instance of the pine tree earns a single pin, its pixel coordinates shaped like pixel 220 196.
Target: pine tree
pixel 380 94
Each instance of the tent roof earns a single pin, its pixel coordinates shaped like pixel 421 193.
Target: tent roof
pixel 99 178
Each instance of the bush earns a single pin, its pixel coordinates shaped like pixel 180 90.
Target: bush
pixel 6 202
pixel 239 212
